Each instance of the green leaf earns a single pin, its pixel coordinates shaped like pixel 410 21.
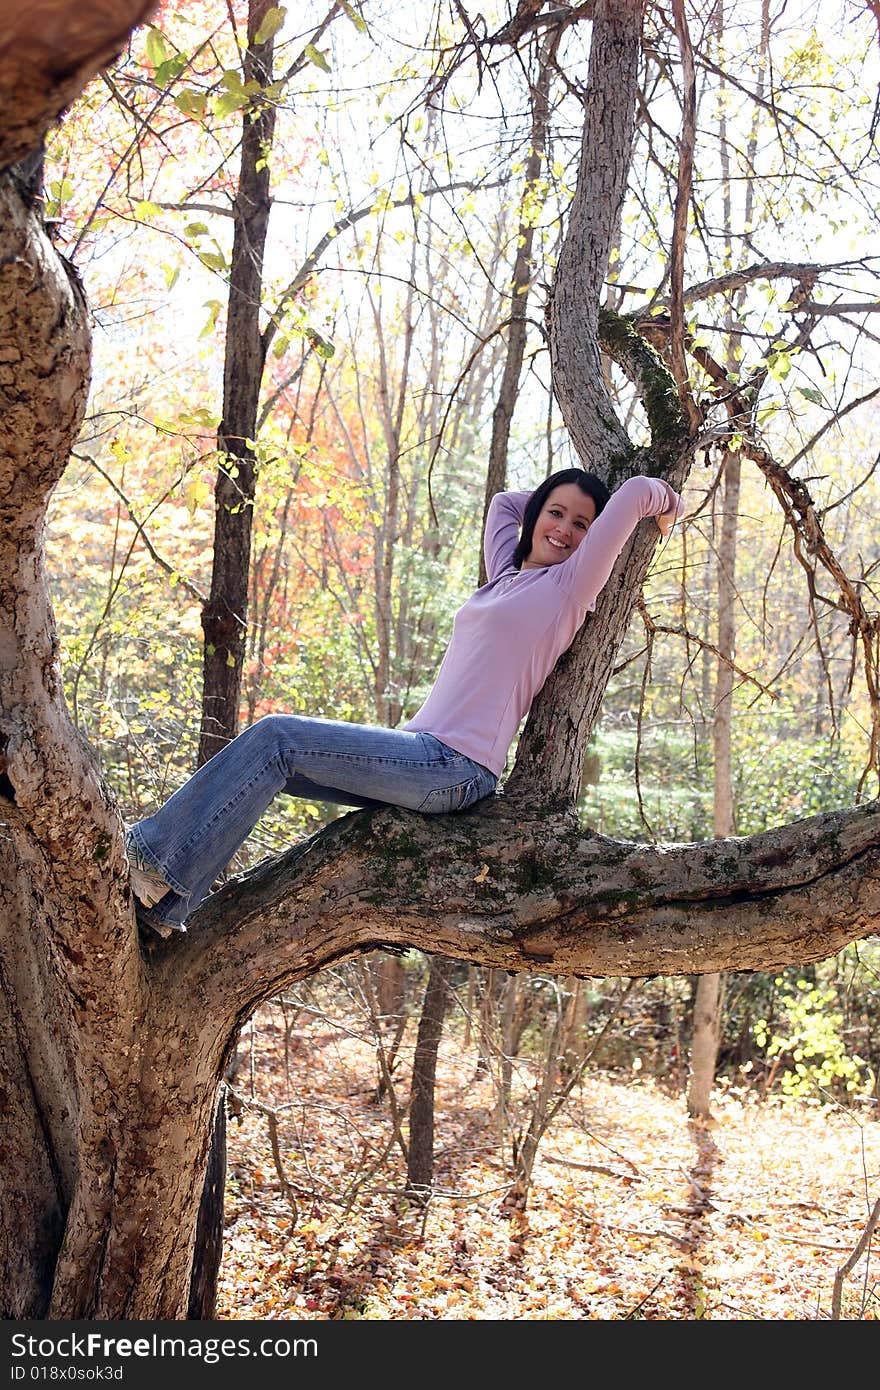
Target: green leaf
pixel 195 229
pixel 213 306
pixel 190 102
pixel 61 190
pixel 322 346
pixel 812 394
pixel 315 56
pixel 145 210
pixel 156 50
pixel 202 415
pixel 231 80
pixel 171 68
pixel 357 20
pixel 272 22
pixel 229 102
pixel 171 273
pixel 779 365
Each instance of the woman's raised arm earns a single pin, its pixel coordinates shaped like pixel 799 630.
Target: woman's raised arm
pixel 586 573
pixel 506 511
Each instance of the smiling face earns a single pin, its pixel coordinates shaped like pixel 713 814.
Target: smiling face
pixel 561 526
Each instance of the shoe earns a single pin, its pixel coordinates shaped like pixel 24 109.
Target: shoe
pixel 147 884
pixel 150 927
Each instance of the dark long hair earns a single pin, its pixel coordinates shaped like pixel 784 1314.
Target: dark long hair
pixel 588 484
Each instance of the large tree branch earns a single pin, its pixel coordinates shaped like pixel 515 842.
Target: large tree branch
pixel 500 889
pixel 64 826
pixel 807 272
pixel 49 50
pixel 551 750
pixel 811 547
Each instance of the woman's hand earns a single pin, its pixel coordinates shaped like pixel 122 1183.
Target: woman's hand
pixel 673 513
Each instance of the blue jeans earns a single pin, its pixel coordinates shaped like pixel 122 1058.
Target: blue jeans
pixel 198 830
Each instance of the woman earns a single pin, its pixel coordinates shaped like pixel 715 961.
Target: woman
pixel 549 553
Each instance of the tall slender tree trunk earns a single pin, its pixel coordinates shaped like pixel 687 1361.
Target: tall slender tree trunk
pixel 420 1163
pixel 208 1250
pixel 502 416
pixel 573 1046
pixel 709 993
pixel 224 617
pixel 509 1002
pixel 708 1000
pixel 704 1045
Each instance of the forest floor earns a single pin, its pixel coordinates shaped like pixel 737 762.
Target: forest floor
pixel 635 1211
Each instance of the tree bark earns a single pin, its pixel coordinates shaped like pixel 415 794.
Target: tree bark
pixel 704 1044
pixel 606 145
pixel 208 1250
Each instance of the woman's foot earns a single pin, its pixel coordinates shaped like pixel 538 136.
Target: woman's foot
pixel 147 885
pixel 149 927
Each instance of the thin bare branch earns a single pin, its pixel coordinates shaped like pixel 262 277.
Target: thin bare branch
pixel 140 527
pixel 680 219
pixel 310 263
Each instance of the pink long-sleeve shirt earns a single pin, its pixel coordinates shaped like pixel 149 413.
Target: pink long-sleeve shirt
pixel 509 635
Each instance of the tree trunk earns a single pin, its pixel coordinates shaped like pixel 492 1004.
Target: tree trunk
pixel 390 984
pixel 224 617
pixel 509 1038
pixel 208 1251
pixel 420 1162
pixel 502 416
pixel 709 994
pixel 704 1044
pixel 108 1092
pixel 573 1045
pixel 551 750
pixel 710 988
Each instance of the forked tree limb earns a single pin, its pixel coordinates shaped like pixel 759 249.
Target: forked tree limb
pixel 49 49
